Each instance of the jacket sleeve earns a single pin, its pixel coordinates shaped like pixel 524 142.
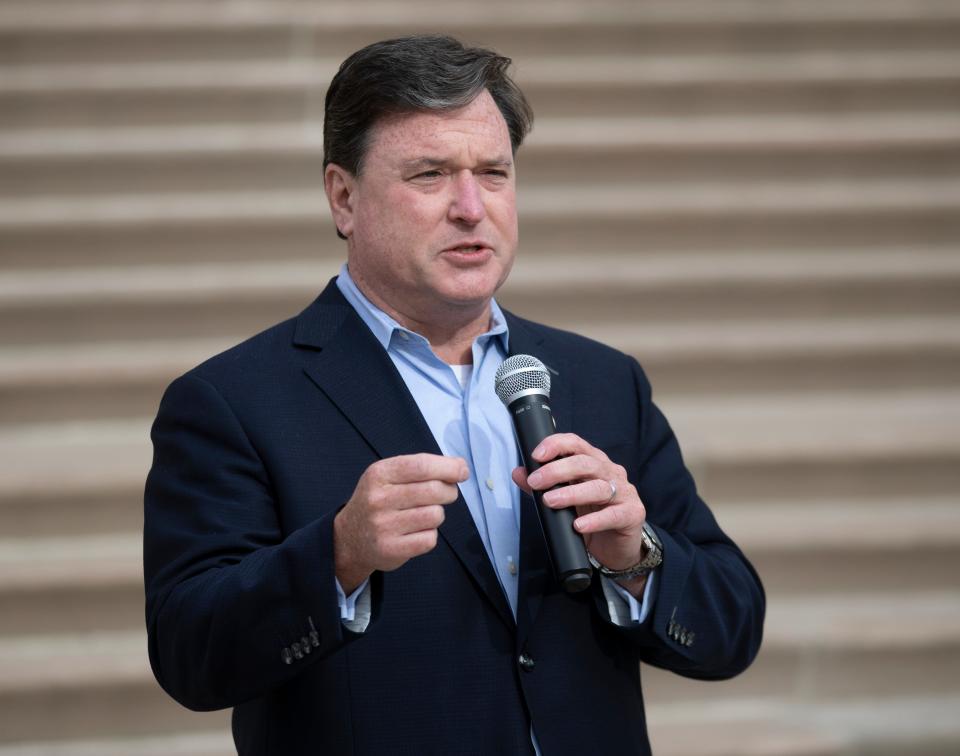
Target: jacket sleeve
pixel 233 607
pixel 707 619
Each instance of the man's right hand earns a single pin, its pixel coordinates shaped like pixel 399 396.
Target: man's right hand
pixel 393 514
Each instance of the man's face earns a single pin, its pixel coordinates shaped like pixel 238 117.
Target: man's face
pixel 431 220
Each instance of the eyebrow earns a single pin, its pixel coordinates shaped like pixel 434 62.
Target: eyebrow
pixel 419 164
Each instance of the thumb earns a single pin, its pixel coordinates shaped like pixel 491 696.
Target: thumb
pixel 519 476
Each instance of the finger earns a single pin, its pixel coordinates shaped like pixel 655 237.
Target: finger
pixel 594 491
pixel 569 470
pixel 519 476
pixel 420 519
pixel 623 517
pixel 565 444
pixel 425 493
pixel 411 468
pixel 394 551
pixel 422 542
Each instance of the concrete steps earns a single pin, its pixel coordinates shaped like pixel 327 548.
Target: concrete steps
pixel 813 447
pixel 96 95
pixel 819 649
pixel 748 727
pixel 286 156
pixel 99 684
pixel 118 303
pixel 65 382
pixel 59 584
pixel 816 649
pixel 758 200
pixel 236 225
pixel 753 727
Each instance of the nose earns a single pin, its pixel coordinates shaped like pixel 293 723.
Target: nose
pixel 466 205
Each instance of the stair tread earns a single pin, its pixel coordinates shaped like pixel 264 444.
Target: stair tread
pixel 597 133
pixel 123 361
pixel 843 526
pixel 216 743
pixel 887 67
pixel 237 280
pixel 78 17
pixel 819 426
pixel 742 727
pixel 760 428
pixel 755 727
pixel 794 624
pixel 825 198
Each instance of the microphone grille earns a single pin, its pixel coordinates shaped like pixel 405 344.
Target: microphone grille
pixel 521 374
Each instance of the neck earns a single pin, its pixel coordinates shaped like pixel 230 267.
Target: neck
pixel 451 333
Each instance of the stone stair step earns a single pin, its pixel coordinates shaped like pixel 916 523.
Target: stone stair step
pixel 916 725
pixel 834 546
pixel 820 648
pixel 213 743
pixel 97 303
pixel 82 33
pixel 232 228
pixel 815 444
pixel 832 648
pixel 71 583
pixel 109 379
pixel 99 685
pixel 752 448
pixel 291 90
pixel 748 727
pixel 212 158
pixel 95 582
pixel 599 204
pixel 130 15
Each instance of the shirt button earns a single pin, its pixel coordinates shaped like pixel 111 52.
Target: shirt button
pixel 511 566
pixel 490 483
pixel 526 662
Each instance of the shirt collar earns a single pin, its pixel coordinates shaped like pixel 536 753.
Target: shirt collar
pixel 384 327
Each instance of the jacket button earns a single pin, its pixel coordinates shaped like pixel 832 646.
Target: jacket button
pixel 286 656
pixel 526 662
pixel 305 644
pixel 297 651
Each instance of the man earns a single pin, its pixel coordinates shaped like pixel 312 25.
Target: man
pixel 339 542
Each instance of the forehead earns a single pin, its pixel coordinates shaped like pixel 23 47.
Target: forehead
pixel 478 128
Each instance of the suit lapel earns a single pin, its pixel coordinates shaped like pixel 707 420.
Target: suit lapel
pixel 355 373
pixel 536 570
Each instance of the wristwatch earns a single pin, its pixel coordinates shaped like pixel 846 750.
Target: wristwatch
pixel 651 560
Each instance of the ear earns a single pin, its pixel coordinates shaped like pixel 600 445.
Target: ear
pixel 340 186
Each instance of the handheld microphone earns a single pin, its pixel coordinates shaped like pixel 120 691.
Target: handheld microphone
pixel 523 384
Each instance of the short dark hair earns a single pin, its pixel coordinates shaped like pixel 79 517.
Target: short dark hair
pixel 411 74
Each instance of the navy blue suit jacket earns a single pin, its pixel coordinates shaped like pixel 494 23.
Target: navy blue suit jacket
pixel 257 449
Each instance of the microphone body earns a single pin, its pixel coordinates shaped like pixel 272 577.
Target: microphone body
pixel 533 421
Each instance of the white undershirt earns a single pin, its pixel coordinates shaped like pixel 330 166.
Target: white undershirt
pixel 463 373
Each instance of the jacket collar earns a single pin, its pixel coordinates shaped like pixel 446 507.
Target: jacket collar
pixel 355 373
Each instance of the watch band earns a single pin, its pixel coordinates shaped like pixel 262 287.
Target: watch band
pixel 645 566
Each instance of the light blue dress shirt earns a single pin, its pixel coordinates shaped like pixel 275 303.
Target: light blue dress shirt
pixel 468 420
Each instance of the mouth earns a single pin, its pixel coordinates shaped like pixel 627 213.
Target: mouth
pixel 467 248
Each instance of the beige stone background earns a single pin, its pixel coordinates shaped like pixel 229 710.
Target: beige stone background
pixel 758 199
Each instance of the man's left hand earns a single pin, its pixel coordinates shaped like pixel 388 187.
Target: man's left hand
pixel 610 515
